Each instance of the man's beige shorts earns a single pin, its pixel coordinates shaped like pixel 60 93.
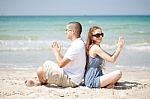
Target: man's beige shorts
pixel 55 75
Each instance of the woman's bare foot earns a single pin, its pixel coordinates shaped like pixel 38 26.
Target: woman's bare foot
pixel 110 86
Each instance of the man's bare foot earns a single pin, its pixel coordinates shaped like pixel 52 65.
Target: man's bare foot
pixel 33 82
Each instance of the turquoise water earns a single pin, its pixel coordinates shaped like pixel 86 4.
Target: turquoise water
pixel 25 40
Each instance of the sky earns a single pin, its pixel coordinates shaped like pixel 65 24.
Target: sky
pixel 74 7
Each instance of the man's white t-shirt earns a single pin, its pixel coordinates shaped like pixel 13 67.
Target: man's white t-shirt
pixel 76 53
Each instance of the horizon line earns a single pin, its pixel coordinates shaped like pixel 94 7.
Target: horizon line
pixel 85 15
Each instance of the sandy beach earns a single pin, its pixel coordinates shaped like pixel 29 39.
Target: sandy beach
pixel 135 84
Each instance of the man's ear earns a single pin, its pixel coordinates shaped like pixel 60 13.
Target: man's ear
pixel 74 33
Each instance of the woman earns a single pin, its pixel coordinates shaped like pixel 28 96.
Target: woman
pixel 94 77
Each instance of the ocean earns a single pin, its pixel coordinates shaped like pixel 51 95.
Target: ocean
pixel 25 40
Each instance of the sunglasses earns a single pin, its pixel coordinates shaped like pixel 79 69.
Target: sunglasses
pixel 97 35
pixel 68 30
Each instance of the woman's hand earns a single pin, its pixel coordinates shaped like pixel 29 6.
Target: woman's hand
pixel 120 43
pixel 56 46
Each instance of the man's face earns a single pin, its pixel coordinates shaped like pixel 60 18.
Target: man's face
pixel 68 32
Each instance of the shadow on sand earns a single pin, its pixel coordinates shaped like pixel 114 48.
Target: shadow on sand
pixel 126 85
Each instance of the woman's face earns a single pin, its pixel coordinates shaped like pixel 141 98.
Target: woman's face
pixel 97 36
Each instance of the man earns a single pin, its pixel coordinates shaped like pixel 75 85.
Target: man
pixel 69 70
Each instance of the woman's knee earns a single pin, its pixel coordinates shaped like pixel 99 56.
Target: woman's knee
pixel 118 73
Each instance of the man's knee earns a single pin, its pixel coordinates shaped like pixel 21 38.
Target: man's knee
pixel 39 71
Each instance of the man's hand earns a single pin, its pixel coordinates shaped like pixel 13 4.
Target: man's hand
pixel 56 47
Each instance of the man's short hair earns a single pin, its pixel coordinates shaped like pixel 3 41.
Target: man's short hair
pixel 76 26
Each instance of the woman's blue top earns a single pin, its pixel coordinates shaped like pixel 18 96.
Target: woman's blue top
pixel 93 72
